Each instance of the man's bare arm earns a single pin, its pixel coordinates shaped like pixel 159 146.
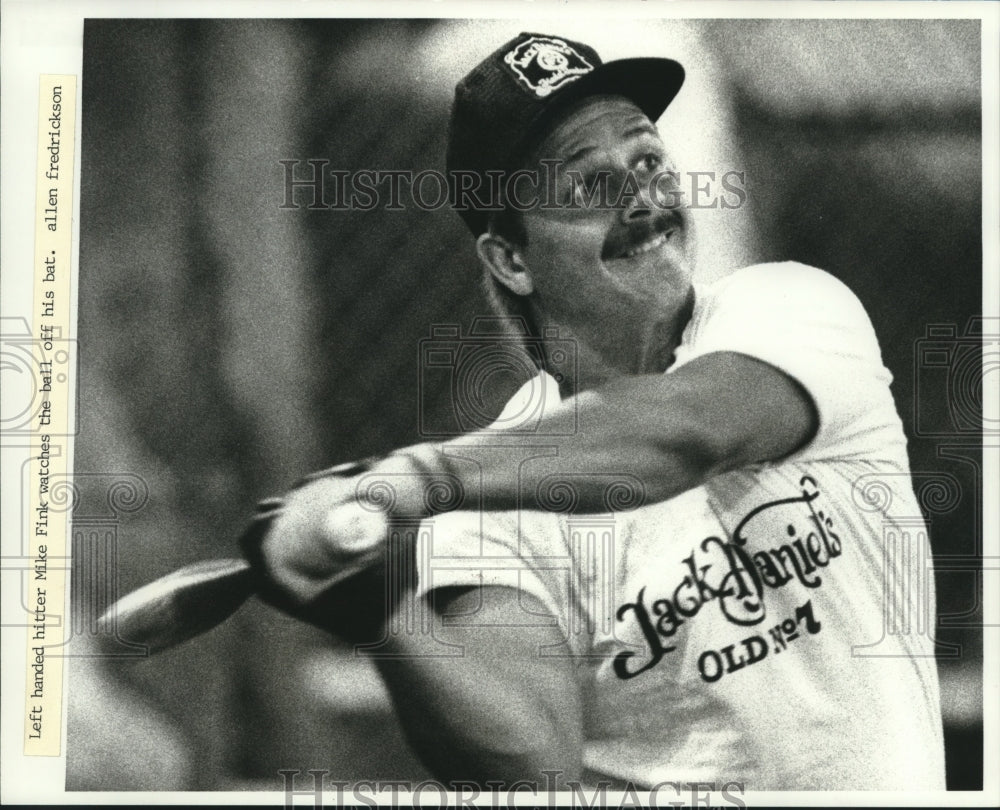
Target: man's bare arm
pixel 673 431
pixel 507 709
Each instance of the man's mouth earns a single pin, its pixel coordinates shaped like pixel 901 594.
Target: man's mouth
pixel 650 244
pixel 649 238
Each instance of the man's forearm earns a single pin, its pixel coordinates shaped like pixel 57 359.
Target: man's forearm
pixel 602 451
pixel 612 461
pixel 636 439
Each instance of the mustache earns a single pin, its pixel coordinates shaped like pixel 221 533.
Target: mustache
pixel 624 238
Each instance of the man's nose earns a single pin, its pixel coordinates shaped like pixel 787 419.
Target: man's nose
pixel 636 212
pixel 639 206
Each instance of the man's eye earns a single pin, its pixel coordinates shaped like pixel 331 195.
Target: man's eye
pixel 650 162
pixel 582 189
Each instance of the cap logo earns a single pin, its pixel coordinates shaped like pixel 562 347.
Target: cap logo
pixel 545 64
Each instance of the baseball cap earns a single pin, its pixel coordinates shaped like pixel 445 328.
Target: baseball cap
pixel 509 97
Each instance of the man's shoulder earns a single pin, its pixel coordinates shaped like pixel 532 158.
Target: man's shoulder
pixel 780 293
pixel 777 278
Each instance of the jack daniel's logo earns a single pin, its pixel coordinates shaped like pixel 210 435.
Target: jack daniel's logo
pixel 735 577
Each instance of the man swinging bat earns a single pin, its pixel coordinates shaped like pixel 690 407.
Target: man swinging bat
pixel 734 602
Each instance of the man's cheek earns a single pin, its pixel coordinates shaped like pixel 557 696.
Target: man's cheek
pixel 569 243
pixel 571 271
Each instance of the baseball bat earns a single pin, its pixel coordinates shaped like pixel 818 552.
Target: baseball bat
pixel 192 600
pixel 179 606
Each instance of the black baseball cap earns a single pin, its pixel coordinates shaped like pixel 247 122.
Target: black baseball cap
pixel 508 99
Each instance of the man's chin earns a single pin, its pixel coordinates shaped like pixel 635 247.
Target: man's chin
pixel 663 280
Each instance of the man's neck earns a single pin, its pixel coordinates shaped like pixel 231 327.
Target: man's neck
pixel 592 356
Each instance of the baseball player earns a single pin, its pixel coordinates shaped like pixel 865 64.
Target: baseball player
pixel 661 564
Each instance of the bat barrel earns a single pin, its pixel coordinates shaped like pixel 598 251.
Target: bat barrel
pixel 182 605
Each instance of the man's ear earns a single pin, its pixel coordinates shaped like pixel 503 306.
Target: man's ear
pixel 505 263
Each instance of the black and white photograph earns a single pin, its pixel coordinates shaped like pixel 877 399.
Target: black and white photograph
pixel 578 405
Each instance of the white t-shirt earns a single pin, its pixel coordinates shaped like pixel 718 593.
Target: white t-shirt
pixel 772 627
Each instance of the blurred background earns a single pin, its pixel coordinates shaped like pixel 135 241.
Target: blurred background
pixel 228 344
